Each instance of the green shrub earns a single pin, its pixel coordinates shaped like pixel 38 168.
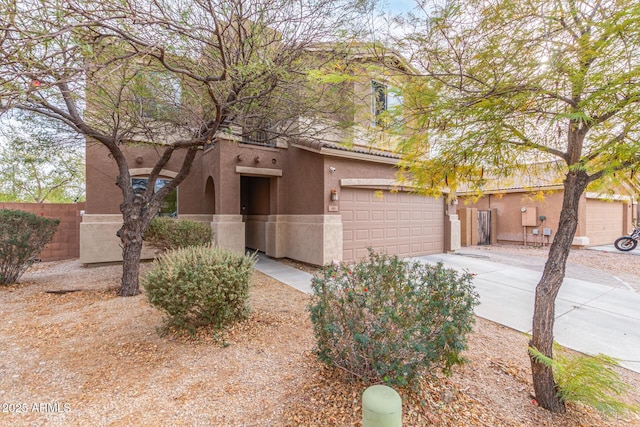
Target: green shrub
pixel 168 233
pixel 590 380
pixel 385 319
pixel 23 235
pixel 200 286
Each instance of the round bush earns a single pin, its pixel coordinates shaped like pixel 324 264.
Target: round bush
pixel 200 286
pixel 23 235
pixel 167 233
pixel 385 319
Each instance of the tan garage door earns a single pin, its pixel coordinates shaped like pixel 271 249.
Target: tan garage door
pixel 604 221
pixel 400 223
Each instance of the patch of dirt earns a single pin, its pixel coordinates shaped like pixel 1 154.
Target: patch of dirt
pixel 307 268
pixel 92 358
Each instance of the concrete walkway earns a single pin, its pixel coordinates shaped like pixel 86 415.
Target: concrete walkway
pixel 291 276
pixel 590 317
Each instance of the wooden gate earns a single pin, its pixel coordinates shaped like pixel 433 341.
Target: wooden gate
pixel 484 227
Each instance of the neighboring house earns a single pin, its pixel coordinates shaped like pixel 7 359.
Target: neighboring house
pixel 526 210
pixel 312 200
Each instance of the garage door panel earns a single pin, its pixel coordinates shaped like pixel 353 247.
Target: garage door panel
pixel 398 223
pixel 392 249
pixel 405 198
pixel 361 253
pixel 362 197
pixel 377 215
pixel 604 221
pixel 347 196
pixel 377 233
pixel 428 216
pixel 405 248
pixel 347 216
pixel 362 235
pixel 362 215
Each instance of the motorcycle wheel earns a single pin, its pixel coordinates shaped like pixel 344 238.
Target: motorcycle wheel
pixel 625 244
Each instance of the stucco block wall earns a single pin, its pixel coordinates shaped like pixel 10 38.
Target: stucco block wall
pixel 229 232
pixel 314 239
pixel 98 240
pixel 65 243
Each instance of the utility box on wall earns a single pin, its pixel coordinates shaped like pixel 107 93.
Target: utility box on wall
pixel 529 216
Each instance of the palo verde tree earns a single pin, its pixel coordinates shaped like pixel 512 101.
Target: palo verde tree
pixel 504 83
pixel 163 73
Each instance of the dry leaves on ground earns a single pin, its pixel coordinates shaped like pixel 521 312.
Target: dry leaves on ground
pixel 92 358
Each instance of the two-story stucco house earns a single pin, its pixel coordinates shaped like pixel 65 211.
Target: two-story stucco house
pixel 312 200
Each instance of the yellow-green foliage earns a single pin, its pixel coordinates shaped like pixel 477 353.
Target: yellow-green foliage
pixel 200 286
pixel 590 380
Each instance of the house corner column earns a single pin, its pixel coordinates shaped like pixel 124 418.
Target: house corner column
pixel 452 233
pixel 229 232
pixel 333 239
pixel 276 236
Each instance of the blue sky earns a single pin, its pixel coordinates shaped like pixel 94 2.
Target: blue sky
pixel 396 6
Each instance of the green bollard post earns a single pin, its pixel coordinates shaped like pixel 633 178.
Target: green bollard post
pixel 381 407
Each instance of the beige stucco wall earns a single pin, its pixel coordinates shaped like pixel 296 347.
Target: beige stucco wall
pixel 229 232
pixel 98 240
pixel 314 239
pixel 510 218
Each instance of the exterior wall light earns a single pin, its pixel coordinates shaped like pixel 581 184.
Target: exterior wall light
pixel 334 195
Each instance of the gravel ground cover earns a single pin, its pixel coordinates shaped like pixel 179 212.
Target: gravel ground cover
pixel 89 357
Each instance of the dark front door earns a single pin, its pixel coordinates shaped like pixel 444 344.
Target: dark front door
pixel 255 206
pixel 484 227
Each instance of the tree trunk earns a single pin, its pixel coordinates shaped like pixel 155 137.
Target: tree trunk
pixel 131 235
pixel 547 290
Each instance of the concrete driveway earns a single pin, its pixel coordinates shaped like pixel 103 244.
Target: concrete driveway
pixel 590 317
pixel 611 248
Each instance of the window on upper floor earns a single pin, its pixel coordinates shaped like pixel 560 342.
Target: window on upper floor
pixel 383 100
pixel 169 205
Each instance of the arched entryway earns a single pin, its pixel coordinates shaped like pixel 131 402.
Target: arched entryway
pixel 209 203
